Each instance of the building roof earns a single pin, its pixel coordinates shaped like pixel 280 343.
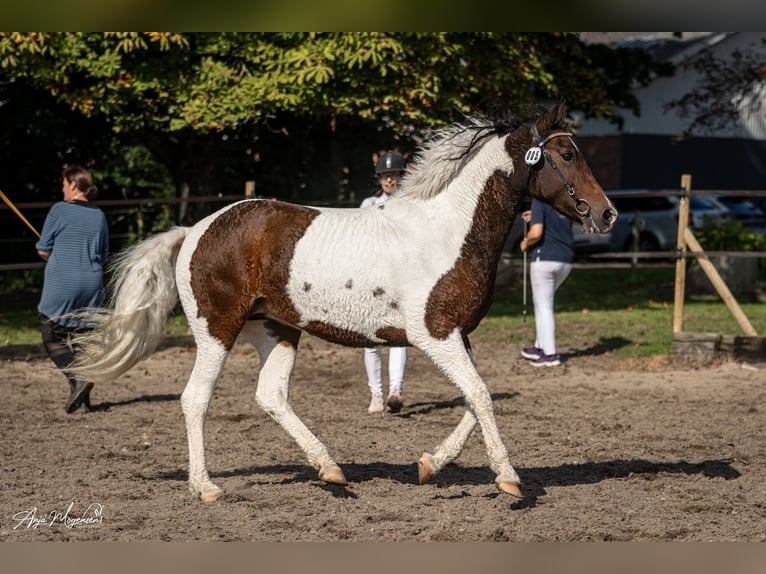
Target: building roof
pixel 663 46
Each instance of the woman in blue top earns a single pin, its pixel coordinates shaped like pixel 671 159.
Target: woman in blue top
pixel 74 243
pixel 552 251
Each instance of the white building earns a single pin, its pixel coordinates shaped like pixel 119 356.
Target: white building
pixel 654 149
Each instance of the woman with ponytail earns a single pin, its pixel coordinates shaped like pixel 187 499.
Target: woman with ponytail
pixel 74 243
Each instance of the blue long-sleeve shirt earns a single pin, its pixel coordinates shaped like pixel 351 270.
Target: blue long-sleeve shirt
pixel 76 235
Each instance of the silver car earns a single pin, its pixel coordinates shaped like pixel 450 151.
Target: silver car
pixel 584 243
pixel 658 218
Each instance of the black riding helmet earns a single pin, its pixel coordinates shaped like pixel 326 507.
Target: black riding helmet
pixel 390 161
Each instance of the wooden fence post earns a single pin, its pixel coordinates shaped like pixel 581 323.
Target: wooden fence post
pixel 680 286
pixel 635 231
pixel 720 286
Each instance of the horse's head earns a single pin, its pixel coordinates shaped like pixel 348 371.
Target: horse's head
pixel 557 173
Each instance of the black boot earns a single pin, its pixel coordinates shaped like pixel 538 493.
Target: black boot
pixel 86 406
pixel 80 391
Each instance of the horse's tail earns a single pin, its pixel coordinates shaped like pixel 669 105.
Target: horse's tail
pixel 142 294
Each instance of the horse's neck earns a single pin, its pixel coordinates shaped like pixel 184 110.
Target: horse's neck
pixel 483 197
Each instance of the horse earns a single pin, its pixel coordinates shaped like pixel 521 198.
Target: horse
pixel 265 271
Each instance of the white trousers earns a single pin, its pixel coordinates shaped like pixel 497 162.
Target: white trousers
pixel 373 364
pixel 546 277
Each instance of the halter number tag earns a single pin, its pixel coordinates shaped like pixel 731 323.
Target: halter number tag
pixel 533 155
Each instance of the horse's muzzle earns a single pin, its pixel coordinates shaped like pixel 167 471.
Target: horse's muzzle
pixel 601 222
pixel 609 218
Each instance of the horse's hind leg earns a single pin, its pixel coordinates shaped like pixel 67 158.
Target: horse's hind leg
pixel 451 357
pixel 211 356
pixel 277 346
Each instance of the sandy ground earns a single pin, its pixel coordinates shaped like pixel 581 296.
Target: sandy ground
pixel 608 450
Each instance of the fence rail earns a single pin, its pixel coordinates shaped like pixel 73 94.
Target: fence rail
pixel 112 208
pixel 115 210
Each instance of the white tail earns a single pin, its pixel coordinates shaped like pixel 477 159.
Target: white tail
pixel 142 294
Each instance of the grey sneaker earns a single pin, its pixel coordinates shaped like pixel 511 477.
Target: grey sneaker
pixel 532 353
pixel 546 361
pixel 376 404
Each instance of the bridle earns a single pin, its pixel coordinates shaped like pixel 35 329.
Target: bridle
pixel 537 152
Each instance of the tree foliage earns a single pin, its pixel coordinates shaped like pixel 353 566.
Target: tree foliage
pixel 218 81
pixel 187 96
pixel 730 88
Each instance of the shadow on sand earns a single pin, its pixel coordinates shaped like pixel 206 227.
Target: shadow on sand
pixel 534 480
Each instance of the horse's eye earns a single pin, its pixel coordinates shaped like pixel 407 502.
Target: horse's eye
pixel 568 156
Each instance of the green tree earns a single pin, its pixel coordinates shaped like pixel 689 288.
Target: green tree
pixel 186 97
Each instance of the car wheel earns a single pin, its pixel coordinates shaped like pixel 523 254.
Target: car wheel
pixel 648 242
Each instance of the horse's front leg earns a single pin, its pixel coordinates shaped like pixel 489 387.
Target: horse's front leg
pixel 430 464
pixel 451 356
pixel 277 347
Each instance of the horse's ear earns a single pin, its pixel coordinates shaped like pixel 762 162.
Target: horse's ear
pixel 555 115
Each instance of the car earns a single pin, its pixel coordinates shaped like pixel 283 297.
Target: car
pixel 704 207
pixel 744 210
pixel 658 220
pixel 584 243
pixel 658 217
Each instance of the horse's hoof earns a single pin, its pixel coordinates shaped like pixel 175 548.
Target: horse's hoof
pixel 511 488
pixel 211 496
pixel 333 476
pixel 425 472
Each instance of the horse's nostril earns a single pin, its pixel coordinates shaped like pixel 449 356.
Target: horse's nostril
pixel 609 216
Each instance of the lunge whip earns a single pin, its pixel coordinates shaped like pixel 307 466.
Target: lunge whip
pixel 17 212
pixel 524 275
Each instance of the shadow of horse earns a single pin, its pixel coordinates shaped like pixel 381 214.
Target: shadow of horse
pixel 534 480
pixel 106 405
pixel 458 402
pixel 605 345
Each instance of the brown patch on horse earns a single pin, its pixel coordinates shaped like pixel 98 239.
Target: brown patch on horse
pixel 463 295
pixel 389 335
pixel 287 336
pixel 393 336
pixel 243 258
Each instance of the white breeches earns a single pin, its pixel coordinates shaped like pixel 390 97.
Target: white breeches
pixel 373 364
pixel 546 277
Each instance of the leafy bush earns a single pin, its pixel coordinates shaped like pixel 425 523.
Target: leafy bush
pixel 728 236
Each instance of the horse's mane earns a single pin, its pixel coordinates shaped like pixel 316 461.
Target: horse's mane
pixel 448 149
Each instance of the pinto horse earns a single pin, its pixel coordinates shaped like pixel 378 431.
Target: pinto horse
pixel 418 270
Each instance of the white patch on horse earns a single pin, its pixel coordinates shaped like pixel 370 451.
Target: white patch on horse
pixel 358 282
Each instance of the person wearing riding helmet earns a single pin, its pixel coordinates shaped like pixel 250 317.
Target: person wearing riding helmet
pixel 389 169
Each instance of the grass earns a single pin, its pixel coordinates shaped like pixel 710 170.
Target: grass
pixel 20 320
pixel 624 311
